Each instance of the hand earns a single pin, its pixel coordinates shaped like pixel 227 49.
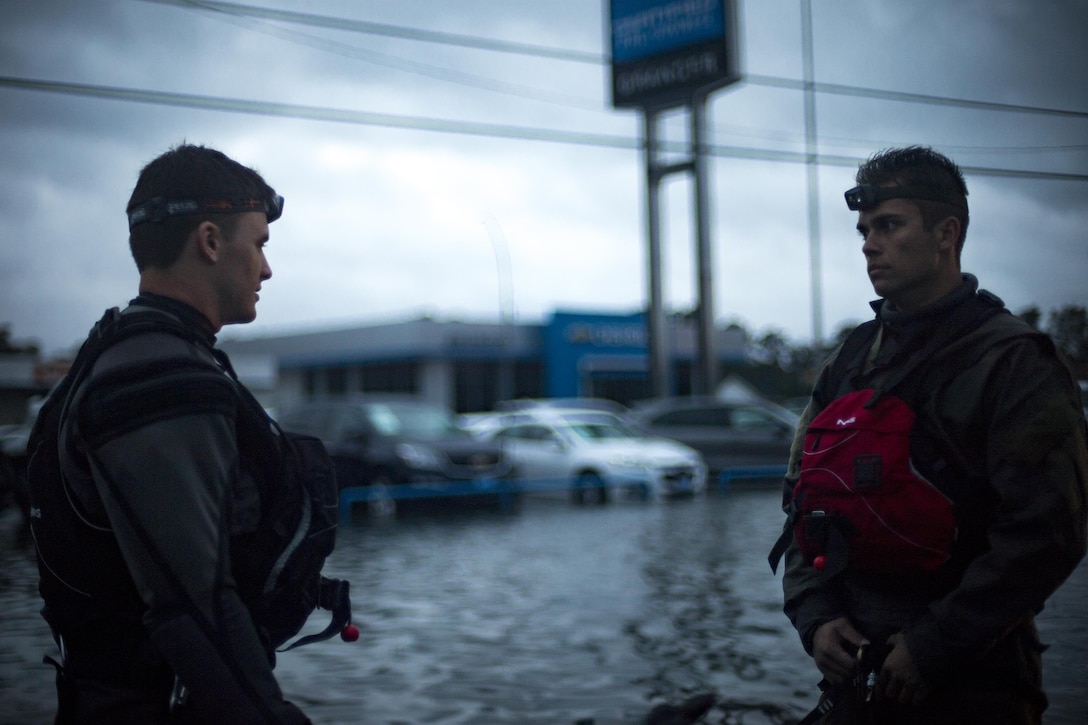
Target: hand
pixel 834 649
pixel 899 678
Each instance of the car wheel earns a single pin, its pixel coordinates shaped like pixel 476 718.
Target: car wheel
pixel 381 503
pixel 589 488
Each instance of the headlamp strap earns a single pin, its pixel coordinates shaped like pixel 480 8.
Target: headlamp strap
pixel 867 196
pixel 159 208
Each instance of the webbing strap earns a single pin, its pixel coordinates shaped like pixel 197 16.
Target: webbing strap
pixel 965 317
pixel 334 597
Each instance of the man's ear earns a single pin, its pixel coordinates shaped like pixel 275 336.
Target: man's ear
pixel 209 241
pixel 948 232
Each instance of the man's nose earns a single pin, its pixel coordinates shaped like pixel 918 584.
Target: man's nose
pixel 868 247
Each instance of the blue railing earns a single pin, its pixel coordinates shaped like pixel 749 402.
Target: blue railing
pixel 366 494
pixel 509 490
pixel 505 489
pixel 728 475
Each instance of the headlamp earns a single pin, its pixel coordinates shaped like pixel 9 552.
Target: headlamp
pixel 159 208
pixel 866 196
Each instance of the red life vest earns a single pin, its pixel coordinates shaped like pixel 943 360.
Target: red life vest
pixel 860 501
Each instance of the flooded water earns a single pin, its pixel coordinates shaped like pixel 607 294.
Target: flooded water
pixel 554 614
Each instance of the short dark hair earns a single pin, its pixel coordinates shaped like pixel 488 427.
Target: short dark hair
pixel 921 166
pixel 187 171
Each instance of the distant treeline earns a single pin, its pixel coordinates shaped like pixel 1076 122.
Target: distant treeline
pixel 782 369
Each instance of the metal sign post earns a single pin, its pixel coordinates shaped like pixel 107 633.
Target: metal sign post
pixel 668 53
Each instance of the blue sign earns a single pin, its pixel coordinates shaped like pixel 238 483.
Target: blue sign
pixel 642 28
pixel 664 51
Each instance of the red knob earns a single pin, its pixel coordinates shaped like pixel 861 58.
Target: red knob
pixel 349 633
pixel 819 563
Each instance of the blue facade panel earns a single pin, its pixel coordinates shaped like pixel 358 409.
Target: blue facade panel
pixel 572 341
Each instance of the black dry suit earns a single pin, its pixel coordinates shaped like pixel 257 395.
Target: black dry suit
pixel 1000 432
pixel 155 482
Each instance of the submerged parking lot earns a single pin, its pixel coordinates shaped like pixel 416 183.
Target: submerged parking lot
pixel 554 614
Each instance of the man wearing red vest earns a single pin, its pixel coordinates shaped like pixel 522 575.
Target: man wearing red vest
pixel 999 431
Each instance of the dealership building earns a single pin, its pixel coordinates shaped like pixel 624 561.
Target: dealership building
pixel 470 366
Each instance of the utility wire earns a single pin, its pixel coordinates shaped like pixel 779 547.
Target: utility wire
pixel 579 56
pixel 395 31
pixel 836 89
pixel 247 20
pixel 493 130
pixel 236 13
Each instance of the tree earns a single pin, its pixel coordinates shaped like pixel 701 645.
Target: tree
pixel 772 348
pixel 8 346
pixel 1031 315
pixel 1068 327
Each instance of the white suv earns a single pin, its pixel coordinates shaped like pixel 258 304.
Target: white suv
pixel 595 455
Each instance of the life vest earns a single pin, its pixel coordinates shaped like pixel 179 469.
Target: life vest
pixel 863 501
pixel 83 577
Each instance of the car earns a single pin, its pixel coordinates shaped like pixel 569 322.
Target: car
pixel 604 404
pixel 727 433
pixel 595 456
pixel 13 491
pixel 406 451
pixel 13 460
pixel 479 424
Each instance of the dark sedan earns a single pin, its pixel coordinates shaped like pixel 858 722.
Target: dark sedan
pixel 728 433
pixel 405 451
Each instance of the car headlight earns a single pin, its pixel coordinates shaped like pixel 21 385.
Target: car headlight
pixel 417 456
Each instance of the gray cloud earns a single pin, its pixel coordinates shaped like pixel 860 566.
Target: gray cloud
pixel 384 223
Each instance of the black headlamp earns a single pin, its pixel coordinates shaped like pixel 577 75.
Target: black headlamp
pixel 160 208
pixel 865 197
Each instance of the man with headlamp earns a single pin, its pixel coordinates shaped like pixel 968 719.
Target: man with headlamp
pixel 915 564
pixel 152 469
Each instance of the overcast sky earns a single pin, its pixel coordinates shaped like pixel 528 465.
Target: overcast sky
pixel 387 222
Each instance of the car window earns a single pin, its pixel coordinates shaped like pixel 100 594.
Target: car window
pixel 516 433
pixel 309 419
pixel 595 431
pixel 598 426
pixel 422 422
pixel 352 424
pixel 536 433
pixel 753 419
pixel 702 416
pixel 384 420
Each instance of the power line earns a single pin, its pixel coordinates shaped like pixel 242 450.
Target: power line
pixel 256 22
pixel 239 14
pixel 395 31
pixel 579 56
pixel 882 95
pixel 492 130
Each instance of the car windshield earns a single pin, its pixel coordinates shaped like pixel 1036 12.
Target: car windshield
pixel 596 428
pixel 412 421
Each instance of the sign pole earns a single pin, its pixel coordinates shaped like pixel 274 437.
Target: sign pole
pixel 659 359
pixel 668 53
pixel 708 358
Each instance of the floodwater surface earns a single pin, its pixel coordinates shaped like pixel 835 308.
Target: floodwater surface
pixel 553 614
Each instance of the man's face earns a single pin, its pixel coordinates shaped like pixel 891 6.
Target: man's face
pixel 904 261
pixel 243 269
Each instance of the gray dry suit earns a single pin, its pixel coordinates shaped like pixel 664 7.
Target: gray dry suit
pixel 147 547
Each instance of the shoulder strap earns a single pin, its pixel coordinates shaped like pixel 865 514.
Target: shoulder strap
pixel 964 318
pixel 110 329
pixel 850 357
